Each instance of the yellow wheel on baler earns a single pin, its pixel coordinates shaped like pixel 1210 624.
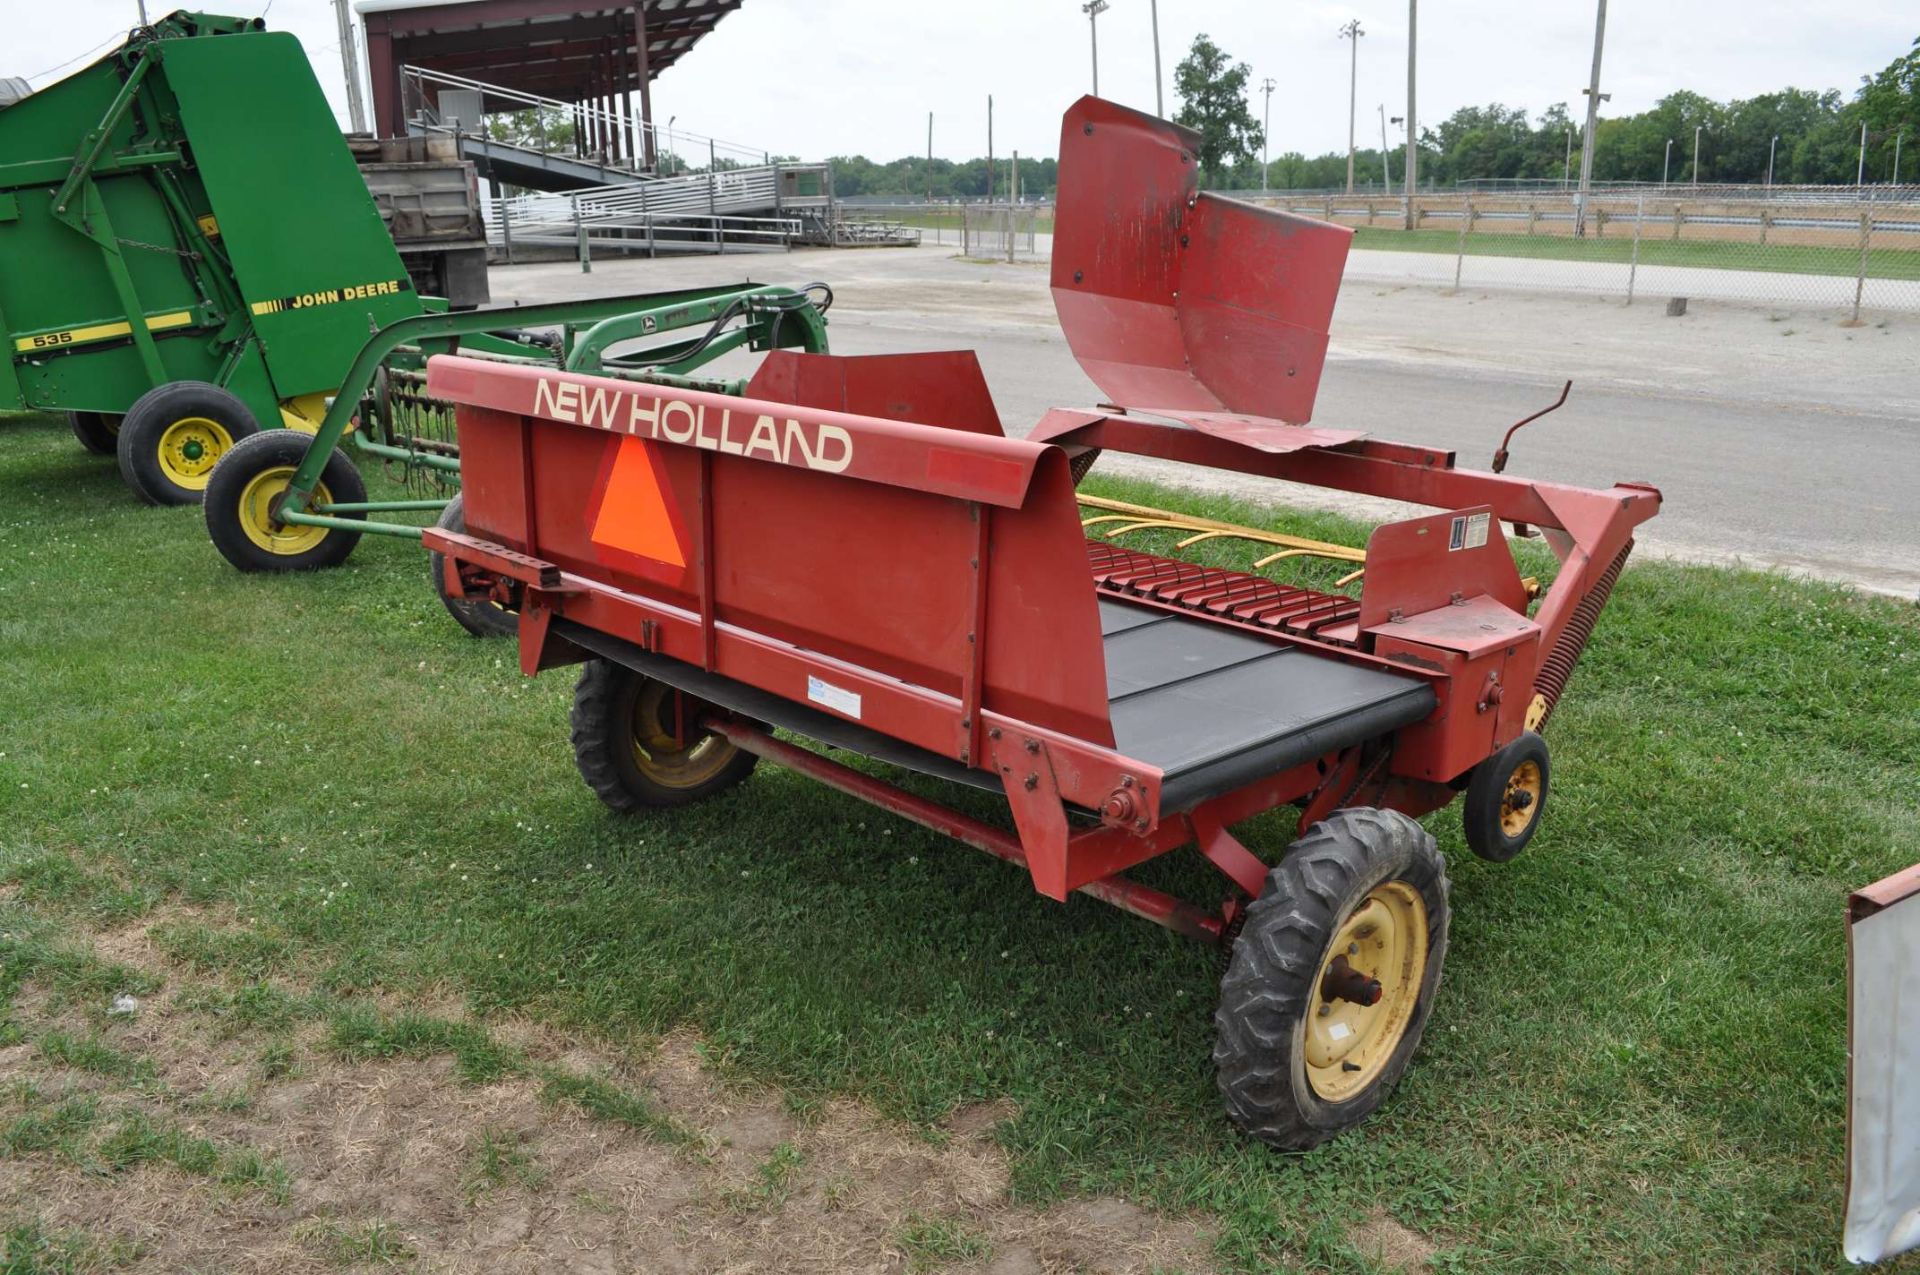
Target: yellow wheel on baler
pixel 189 449
pixel 173 436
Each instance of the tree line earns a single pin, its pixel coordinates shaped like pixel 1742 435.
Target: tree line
pixel 1819 141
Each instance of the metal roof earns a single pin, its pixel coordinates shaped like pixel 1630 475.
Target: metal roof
pixel 564 51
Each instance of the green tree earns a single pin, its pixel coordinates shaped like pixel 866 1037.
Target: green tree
pixel 1213 102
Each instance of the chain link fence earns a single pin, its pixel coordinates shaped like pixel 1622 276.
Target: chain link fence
pixel 1804 248
pixel 1848 250
pixel 992 232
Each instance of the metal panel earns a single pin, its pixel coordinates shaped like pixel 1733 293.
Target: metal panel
pixel 1883 1076
pixel 313 260
pixel 1172 299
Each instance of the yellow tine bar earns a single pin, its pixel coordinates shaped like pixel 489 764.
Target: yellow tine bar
pixel 1349 578
pixel 1205 535
pixel 1150 516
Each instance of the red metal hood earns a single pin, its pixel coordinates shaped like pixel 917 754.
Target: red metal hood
pixel 1178 301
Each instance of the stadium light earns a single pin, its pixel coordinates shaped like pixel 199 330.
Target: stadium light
pixel 1093 9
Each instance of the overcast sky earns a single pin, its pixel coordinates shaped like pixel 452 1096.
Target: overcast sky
pixel 823 77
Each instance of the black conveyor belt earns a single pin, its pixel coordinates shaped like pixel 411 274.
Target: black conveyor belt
pixel 1217 707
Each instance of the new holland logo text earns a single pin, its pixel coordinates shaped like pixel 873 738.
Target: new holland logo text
pixel 811 444
pixel 333 296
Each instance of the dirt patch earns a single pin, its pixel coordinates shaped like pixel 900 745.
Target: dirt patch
pixel 399 1161
pixel 1391 1244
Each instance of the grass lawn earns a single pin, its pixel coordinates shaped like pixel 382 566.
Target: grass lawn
pixel 1636 1063
pixel 1655 250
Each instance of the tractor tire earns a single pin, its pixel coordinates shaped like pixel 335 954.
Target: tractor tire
pixel 173 435
pixel 480 618
pixel 98 432
pixel 1506 796
pixel 622 742
pixel 1301 1053
pixel 242 499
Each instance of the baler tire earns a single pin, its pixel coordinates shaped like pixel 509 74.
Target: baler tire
pixel 172 437
pixel 1273 993
pixel 606 703
pixel 239 501
pixel 98 432
pixel 481 618
pixel 1495 830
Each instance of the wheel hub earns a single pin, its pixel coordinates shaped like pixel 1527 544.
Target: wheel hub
pixel 1367 992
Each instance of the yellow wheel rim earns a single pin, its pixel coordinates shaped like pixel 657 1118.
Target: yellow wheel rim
pixel 257 503
pixel 1348 1044
pixel 189 449
pixel 1520 804
pixel 697 759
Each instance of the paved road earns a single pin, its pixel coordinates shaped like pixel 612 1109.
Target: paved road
pixel 1780 441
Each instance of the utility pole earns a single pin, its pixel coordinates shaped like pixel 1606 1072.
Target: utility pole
pixel 143 12
pixel 1566 169
pixel 1159 102
pixel 1860 178
pixel 1266 132
pixel 1093 9
pixel 349 62
pixel 989 148
pixel 1409 174
pixel 1593 116
pixel 1776 142
pixel 929 156
pixel 1352 32
pixel 1696 154
pixel 1667 162
pixel 1899 137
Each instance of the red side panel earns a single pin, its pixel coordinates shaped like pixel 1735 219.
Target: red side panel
pixel 1178 300
pixel 945 558
pixel 943 387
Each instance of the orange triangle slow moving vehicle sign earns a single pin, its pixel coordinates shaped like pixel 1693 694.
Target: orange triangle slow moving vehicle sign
pixel 636 517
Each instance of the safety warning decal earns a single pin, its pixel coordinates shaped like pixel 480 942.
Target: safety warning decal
pixel 1469 531
pixel 334 296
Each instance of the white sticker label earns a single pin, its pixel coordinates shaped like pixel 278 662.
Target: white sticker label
pixel 1339 1031
pixel 1469 531
pixel 835 698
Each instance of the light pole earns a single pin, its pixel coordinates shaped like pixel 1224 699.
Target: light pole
pixel 1352 32
pixel 1593 117
pixel 1386 169
pixel 1409 174
pixel 1093 9
pixel 1899 137
pixel 1159 103
pixel 349 63
pixel 1566 170
pixel 1266 130
pixel 1666 163
pixel 670 120
pixel 1696 154
pixel 1771 146
pixel 1386 174
pixel 1860 178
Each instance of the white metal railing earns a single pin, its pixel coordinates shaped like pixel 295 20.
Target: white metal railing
pixel 733 191
pixel 589 228
pixel 421 87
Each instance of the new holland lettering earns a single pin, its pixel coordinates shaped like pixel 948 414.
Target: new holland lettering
pixel 783 440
